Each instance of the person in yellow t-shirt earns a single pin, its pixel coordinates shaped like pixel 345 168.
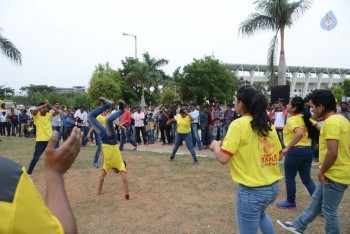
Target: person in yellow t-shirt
pixel 112 157
pixel 298 152
pixel 252 149
pixel 183 122
pixel 42 121
pixel 334 164
pixel 21 206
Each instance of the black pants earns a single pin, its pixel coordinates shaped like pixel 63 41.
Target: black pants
pixel 165 130
pixel 143 132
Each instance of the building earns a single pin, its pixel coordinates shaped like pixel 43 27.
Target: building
pixel 302 79
pixel 75 89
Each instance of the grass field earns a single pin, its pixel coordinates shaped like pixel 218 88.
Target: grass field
pixel 171 197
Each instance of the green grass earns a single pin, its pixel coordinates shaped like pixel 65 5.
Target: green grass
pixel 172 197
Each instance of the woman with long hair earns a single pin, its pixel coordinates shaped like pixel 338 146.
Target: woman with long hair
pixel 297 135
pixel 252 149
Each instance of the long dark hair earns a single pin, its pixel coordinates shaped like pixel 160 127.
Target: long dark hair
pixel 298 103
pixel 255 104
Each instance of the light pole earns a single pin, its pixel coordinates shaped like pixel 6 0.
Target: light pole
pixel 143 103
pixel 135 37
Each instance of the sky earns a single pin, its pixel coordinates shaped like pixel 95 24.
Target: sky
pixel 62 41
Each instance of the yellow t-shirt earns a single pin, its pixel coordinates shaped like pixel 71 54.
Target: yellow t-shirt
pixel 337 127
pixel 22 209
pixel 101 119
pixel 183 124
pixel 293 123
pixel 255 159
pixel 112 158
pixel 43 126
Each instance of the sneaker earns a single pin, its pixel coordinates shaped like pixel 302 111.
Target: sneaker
pixel 135 147
pixel 95 165
pixel 195 162
pixel 171 159
pixel 289 226
pixel 286 205
pixel 121 105
pixel 106 101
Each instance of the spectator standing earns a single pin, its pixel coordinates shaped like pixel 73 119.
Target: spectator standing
pixel 23 121
pixel 14 121
pixel 194 126
pixel 204 119
pixel 139 117
pixel 56 122
pixel 150 129
pixel 344 110
pixel 218 116
pixel 229 116
pixel 126 132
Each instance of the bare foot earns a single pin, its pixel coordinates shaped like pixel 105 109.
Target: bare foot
pixel 100 193
pixel 127 197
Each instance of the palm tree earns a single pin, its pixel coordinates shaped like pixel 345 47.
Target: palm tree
pixel 275 16
pixel 10 50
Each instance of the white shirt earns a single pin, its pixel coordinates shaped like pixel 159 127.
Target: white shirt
pixel 139 118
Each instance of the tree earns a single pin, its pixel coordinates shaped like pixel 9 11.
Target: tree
pixel 142 78
pixel 104 82
pixel 275 16
pixel 33 91
pixel 10 50
pixel 206 79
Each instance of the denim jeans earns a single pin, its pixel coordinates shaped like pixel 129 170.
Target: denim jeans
pixel 251 204
pixel 14 129
pixel 150 135
pixel 173 130
pixel 206 135
pixel 280 136
pixel 217 135
pixel 108 133
pixel 126 134
pixel 98 150
pixel 326 198
pixel 188 139
pixel 224 131
pixel 298 160
pixel 195 135
pixel 40 147
pixel 59 130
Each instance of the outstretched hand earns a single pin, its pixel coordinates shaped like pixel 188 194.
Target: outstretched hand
pixel 60 160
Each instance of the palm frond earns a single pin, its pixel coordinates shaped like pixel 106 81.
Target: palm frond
pixel 299 8
pixel 255 23
pixel 10 50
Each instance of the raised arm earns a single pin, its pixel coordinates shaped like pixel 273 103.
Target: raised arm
pixel 57 162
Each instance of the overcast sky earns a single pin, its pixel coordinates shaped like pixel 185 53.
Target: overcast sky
pixel 62 41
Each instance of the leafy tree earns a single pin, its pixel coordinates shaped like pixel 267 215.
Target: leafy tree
pixel 142 78
pixel 345 85
pixel 275 16
pixel 10 50
pixel 206 79
pixel 6 92
pixel 338 92
pixel 36 92
pixel 81 99
pixel 169 94
pixel 104 82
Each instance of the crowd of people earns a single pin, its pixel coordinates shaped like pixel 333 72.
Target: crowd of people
pixel 251 135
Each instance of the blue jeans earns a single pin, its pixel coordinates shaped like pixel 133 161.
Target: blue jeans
pixel 150 136
pixel 14 129
pixel 40 147
pixel 126 134
pixel 98 150
pixel 108 133
pixel 298 160
pixel 251 204
pixel 173 130
pixel 195 135
pixel 217 132
pixel 326 198
pixel 59 130
pixel 224 131
pixel 188 139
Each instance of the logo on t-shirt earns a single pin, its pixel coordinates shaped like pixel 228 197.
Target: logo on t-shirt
pixel 268 156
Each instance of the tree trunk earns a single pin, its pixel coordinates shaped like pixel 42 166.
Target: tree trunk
pixel 282 68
